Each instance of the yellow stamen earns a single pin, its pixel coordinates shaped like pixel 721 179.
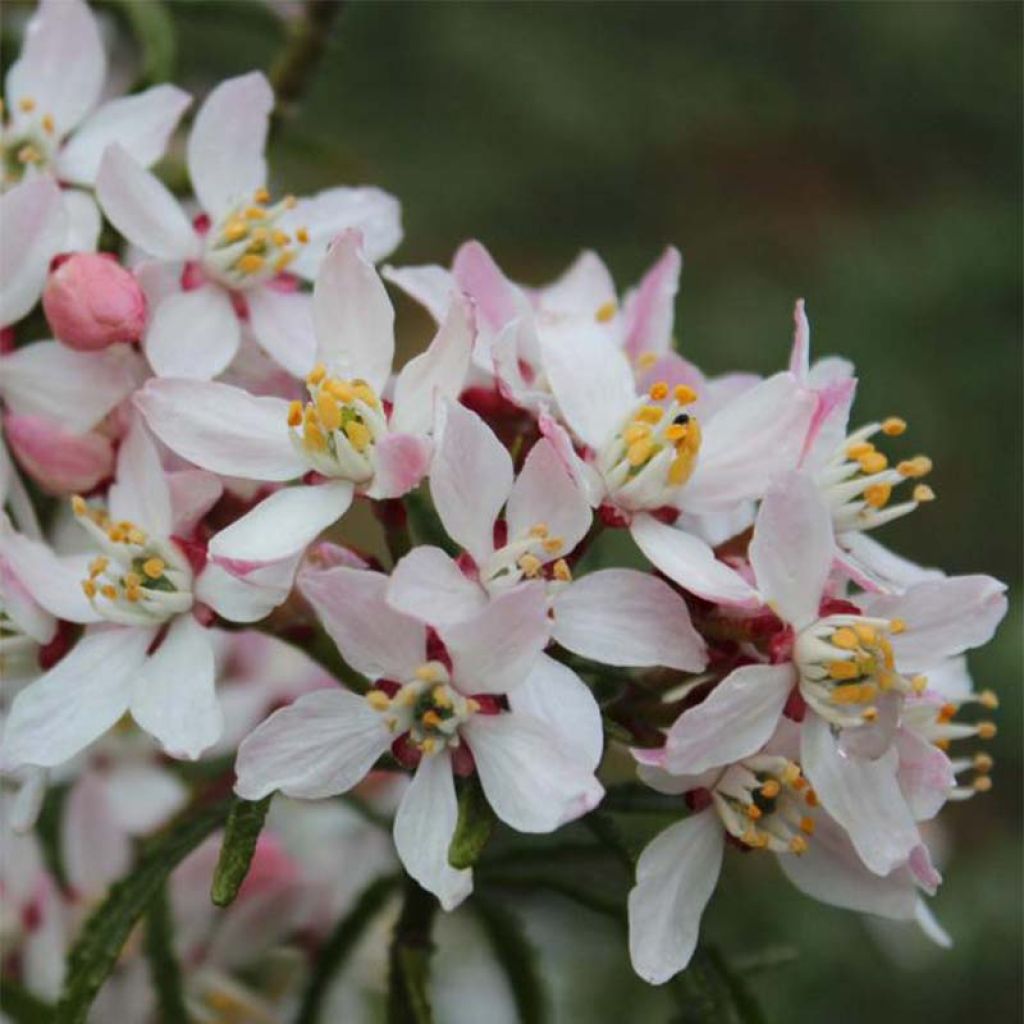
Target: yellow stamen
pixel 918 466
pixel 472 706
pixel 97 565
pixel 255 213
pixel 650 414
pixel 684 394
pixel 843 670
pixel 982 784
pixel 646 360
pixel 294 413
pixel 136 536
pixel 753 812
pixel 313 437
pixel 284 260
pixel 429 745
pixel 922 492
pixel 133 594
pixel 862 448
pixel 553 545
pixel 428 673
pixel 680 469
pixel 261 196
pixel 250 263
pixel 636 432
pixel 301 236
pixel 358 434
pixel 658 390
pixel 316 375
pixel 878 495
pixel 441 697
pixel 867 634
pixel 791 774
pixel 845 638
pixel 897 626
pixel 986 730
pixel 530 564
pixel 48 125
pixel 770 789
pixel 919 684
pixel 89 588
pixel 281 238
pixel 328 410
pixel 561 571
pixel 675 432
pixel 365 393
pixel 807 826
pixel 378 700
pixel 78 505
pixel 27 104
pixel 849 693
pixel 132 580
pixel 431 719
pixel 873 462
pixel 539 530
pixel 870 714
pixel 235 230
pixel 798 845
pixel 108 591
pixel 894 426
pixel 811 798
pixel 988 699
pixel 983 762
pixel 605 312
pixel 639 452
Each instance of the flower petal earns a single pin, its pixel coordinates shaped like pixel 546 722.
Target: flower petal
pixel 925 774
pixel 497 300
pixel 52 581
pixel 428 585
pixel 96 851
pixel 650 310
pixel 424 827
pixel 83 219
pixel 584 289
pixel 59 461
pixel 192 335
pixel 429 285
pixel 320 746
pixel 141 492
pixel 247 597
pixel 675 877
pixel 402 462
pixel 282 323
pixel 143 796
pixel 193 493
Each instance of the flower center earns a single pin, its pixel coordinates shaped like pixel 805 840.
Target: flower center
pixel 527 557
pixel 137 579
pixel 763 803
pixel 655 452
pixel 246 247
pixel 27 142
pixel 338 427
pixel 428 709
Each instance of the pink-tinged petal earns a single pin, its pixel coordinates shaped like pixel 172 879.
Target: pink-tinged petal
pixel 83 219
pixel 587 478
pixel 650 310
pixel 59 461
pixel 374 639
pixel 584 289
pixel 650 771
pixel 141 492
pixel 828 424
pixel 832 872
pixel 282 323
pixel 402 462
pixel 283 524
pixel 193 335
pixel 424 827
pixel 51 581
pixel 246 596
pixel 142 208
pixel 691 563
pixel 800 354
pixel 951 679
pixel 429 285
pixel 76 389
pixel 428 585
pixel 96 851
pixel 15 497
pixel 174 698
pixel 142 796
pixel 736 720
pixel 142 124
pixel 829 371
pixel 675 877
pixel 750 442
pixel 20 606
pixel 223 429
pixel 193 493
pixel 673 369
pixel 62 64
pixel 923 870
pixel 495 650
pixel 506 356
pixel 74 703
pixel 320 746
pixel 591 381
pixel 545 493
pixel 863 796
pixel 497 300
pixel 533 782
pixel 925 774
pixel 352 314
pixel 625 617
pixel 438 373
pixel 874 567
pixel 931 927
pixel 470 478
pixel 225 146
pixel 792 549
pixel 377 215
pixel 553 694
pixel 943 618
pixel 35 225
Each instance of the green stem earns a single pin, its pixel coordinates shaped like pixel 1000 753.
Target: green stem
pixel 164 969
pixel 307 39
pixel 409 958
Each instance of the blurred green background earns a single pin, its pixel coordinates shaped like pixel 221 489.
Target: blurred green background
pixel 864 156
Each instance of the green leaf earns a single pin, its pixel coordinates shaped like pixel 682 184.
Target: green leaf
pixel 409 958
pixel 154 30
pixel 474 826
pixel 245 822
pixel 105 932
pixel 163 963
pixel 21 1007
pixel 709 991
pixel 425 524
pixel 340 945
pixel 517 957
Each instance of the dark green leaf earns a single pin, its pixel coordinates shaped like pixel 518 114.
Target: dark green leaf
pixel 474 826
pixel 409 958
pixel 708 991
pixel 245 822
pixel 105 932
pixel 154 31
pixel 21 1007
pixel 163 963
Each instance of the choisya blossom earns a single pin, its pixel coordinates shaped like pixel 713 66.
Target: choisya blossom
pixel 344 439
pixel 235 258
pixel 55 130
pixel 485 699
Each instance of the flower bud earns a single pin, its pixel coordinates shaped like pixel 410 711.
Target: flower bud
pixel 91 302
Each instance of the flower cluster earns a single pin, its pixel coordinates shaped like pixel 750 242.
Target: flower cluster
pixel 220 390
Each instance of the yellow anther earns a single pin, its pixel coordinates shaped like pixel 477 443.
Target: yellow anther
pixel 342 392
pixel 136 536
pixel 255 213
pixel 845 639
pixel 753 838
pixel 982 784
pixel 472 706
pixel 313 437
pixel 753 812
pixel 684 394
pixel 250 263
pixel 358 434
pixel 132 594
pixel 98 565
pixel 639 452
pixel 675 432
pixel 132 580
pixel 873 462
pixel 919 684
pixel 798 845
pixel 848 693
pixel 865 633
pixel 316 375
pixel 982 762
pixel 922 492
pixel 259 238
pixel 27 104
pixel 78 505
pixel 843 670
pixel 988 699
pixel 108 591
pixel 29 155
pixel 986 730
pixel 431 719
pixel 235 230
pixel 636 432
pixel 553 545
pixel 378 700
pixel 281 238
pixel 294 413
pixel 301 236
pixel 680 469
pixel 441 697
pixel 878 495
pixel 561 571
pixel 261 196
pixel 539 530
pixel 365 393
pixel 427 673
pixel 791 774
pixel 894 426
pixel 48 125
pixel 429 745
pixel 89 588
pixel 870 714
pixel 530 564
pixel 154 568
pixel 860 449
pixel 649 414
pixel 807 826
pixel 284 260
pixel 918 466
pixel 328 410
pixel 658 390
pixel 289 202
pixel 605 312
pixel 811 798
pixel 646 360
pixel 770 789
pixel 897 626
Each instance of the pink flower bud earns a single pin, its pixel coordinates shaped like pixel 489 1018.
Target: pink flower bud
pixel 91 302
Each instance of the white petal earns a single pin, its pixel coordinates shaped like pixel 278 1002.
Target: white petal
pixel 863 796
pixel 223 429
pixel 439 372
pixel 96 850
pixel 531 781
pixel 470 478
pixel 84 221
pixel 193 493
pixel 21 607
pixel 283 325
pixel 736 720
pixel 494 650
pixel 352 314
pixel 402 463
pixel 625 617
pixel 320 746
pixel 424 827
pixel 792 549
pixel 925 774
pixel 225 146
pixel 34 229
pixel 428 585
pixel 553 694
pixel 582 290
pixel 142 796
pixel 192 335
pixel 675 877
pixel 142 124
pixel 81 697
pixel 691 563
pixel 52 581
pixel 174 697
pixel 429 285
pixel 650 309
pixel 882 568
pixel 62 64
pixel 141 492
pixel 249 597
pixel 142 208
pixel 283 524
pixel 374 639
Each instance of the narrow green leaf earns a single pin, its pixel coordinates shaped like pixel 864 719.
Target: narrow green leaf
pixel 517 957
pixel 105 932
pixel 164 968
pixel 245 822
pixel 153 28
pixel 21 1007
pixel 708 991
pixel 474 826
pixel 409 958
pixel 425 524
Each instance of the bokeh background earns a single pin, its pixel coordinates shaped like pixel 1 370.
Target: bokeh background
pixel 864 156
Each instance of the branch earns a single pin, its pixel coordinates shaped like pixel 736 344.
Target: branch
pixel 307 39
